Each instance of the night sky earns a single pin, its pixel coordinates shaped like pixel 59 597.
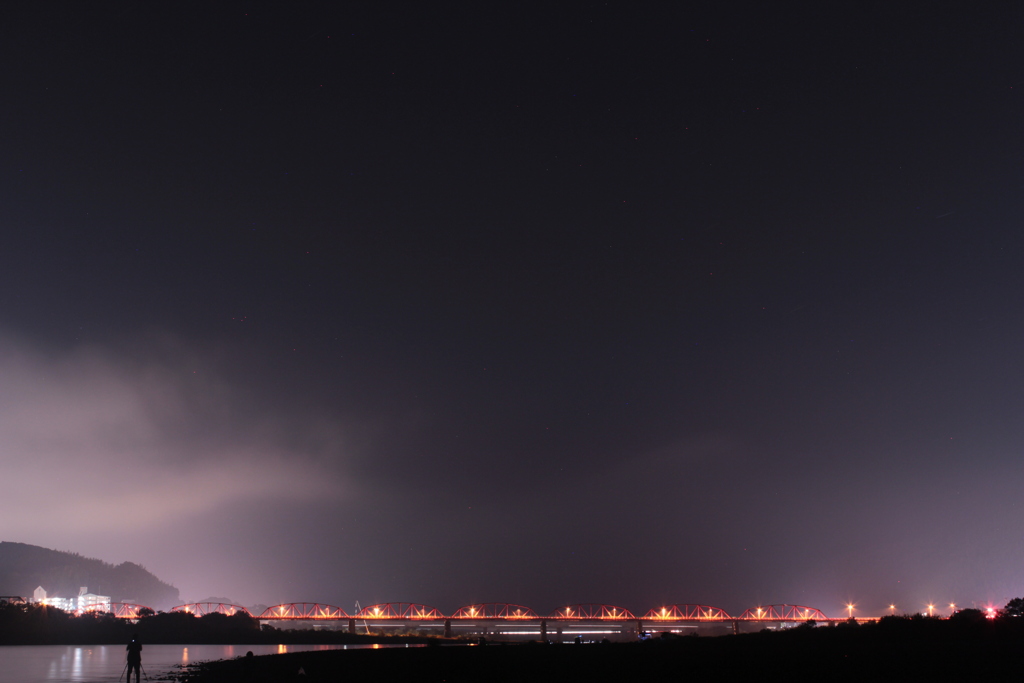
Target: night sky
pixel 612 302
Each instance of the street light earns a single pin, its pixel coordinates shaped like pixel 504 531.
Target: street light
pixel 931 610
pixel 892 608
pixel 849 609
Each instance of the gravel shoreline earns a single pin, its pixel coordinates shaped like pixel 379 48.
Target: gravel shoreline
pixel 837 653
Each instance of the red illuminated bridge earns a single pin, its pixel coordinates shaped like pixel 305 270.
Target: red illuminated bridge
pixel 411 611
pixel 412 614
pixel 498 611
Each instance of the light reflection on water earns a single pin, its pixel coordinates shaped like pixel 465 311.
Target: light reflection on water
pixel 106 663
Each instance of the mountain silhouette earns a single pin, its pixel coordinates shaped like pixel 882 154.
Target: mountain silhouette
pixel 23 567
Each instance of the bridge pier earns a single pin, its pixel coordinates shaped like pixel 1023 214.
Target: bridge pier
pixel 639 627
pixel 543 630
pixel 735 628
pixel 447 628
pixel 352 626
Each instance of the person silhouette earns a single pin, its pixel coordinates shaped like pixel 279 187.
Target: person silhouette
pixel 134 658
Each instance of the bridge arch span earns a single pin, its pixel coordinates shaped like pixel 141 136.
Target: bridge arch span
pixel 784 613
pixel 121 610
pixel 200 609
pixel 495 610
pixel 687 611
pixel 591 610
pixel 304 611
pixel 399 610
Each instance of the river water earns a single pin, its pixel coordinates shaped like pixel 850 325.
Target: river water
pixel 106 663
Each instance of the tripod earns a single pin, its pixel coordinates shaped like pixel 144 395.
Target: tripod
pixel 129 675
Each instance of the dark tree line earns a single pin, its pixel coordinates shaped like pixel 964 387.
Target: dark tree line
pixel 32 624
pixel 38 624
pixel 1014 608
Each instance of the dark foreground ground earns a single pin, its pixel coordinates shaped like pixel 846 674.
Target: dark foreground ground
pixel 925 650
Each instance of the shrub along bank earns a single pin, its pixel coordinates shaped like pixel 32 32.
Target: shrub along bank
pixel 41 625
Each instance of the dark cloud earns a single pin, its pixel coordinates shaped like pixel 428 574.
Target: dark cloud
pixel 338 303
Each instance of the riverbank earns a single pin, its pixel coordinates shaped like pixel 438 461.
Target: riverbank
pixel 106 663
pixel 895 649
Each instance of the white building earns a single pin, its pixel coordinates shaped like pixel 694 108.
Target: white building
pixel 90 602
pixel 85 602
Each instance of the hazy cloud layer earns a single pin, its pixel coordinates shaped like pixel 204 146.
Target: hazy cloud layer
pixel 98 444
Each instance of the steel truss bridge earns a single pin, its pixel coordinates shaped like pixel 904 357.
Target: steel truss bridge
pixel 410 614
pixel 398 613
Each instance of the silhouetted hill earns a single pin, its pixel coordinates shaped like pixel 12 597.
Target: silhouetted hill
pixel 23 567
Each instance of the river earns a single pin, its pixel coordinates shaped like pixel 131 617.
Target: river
pixel 106 663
